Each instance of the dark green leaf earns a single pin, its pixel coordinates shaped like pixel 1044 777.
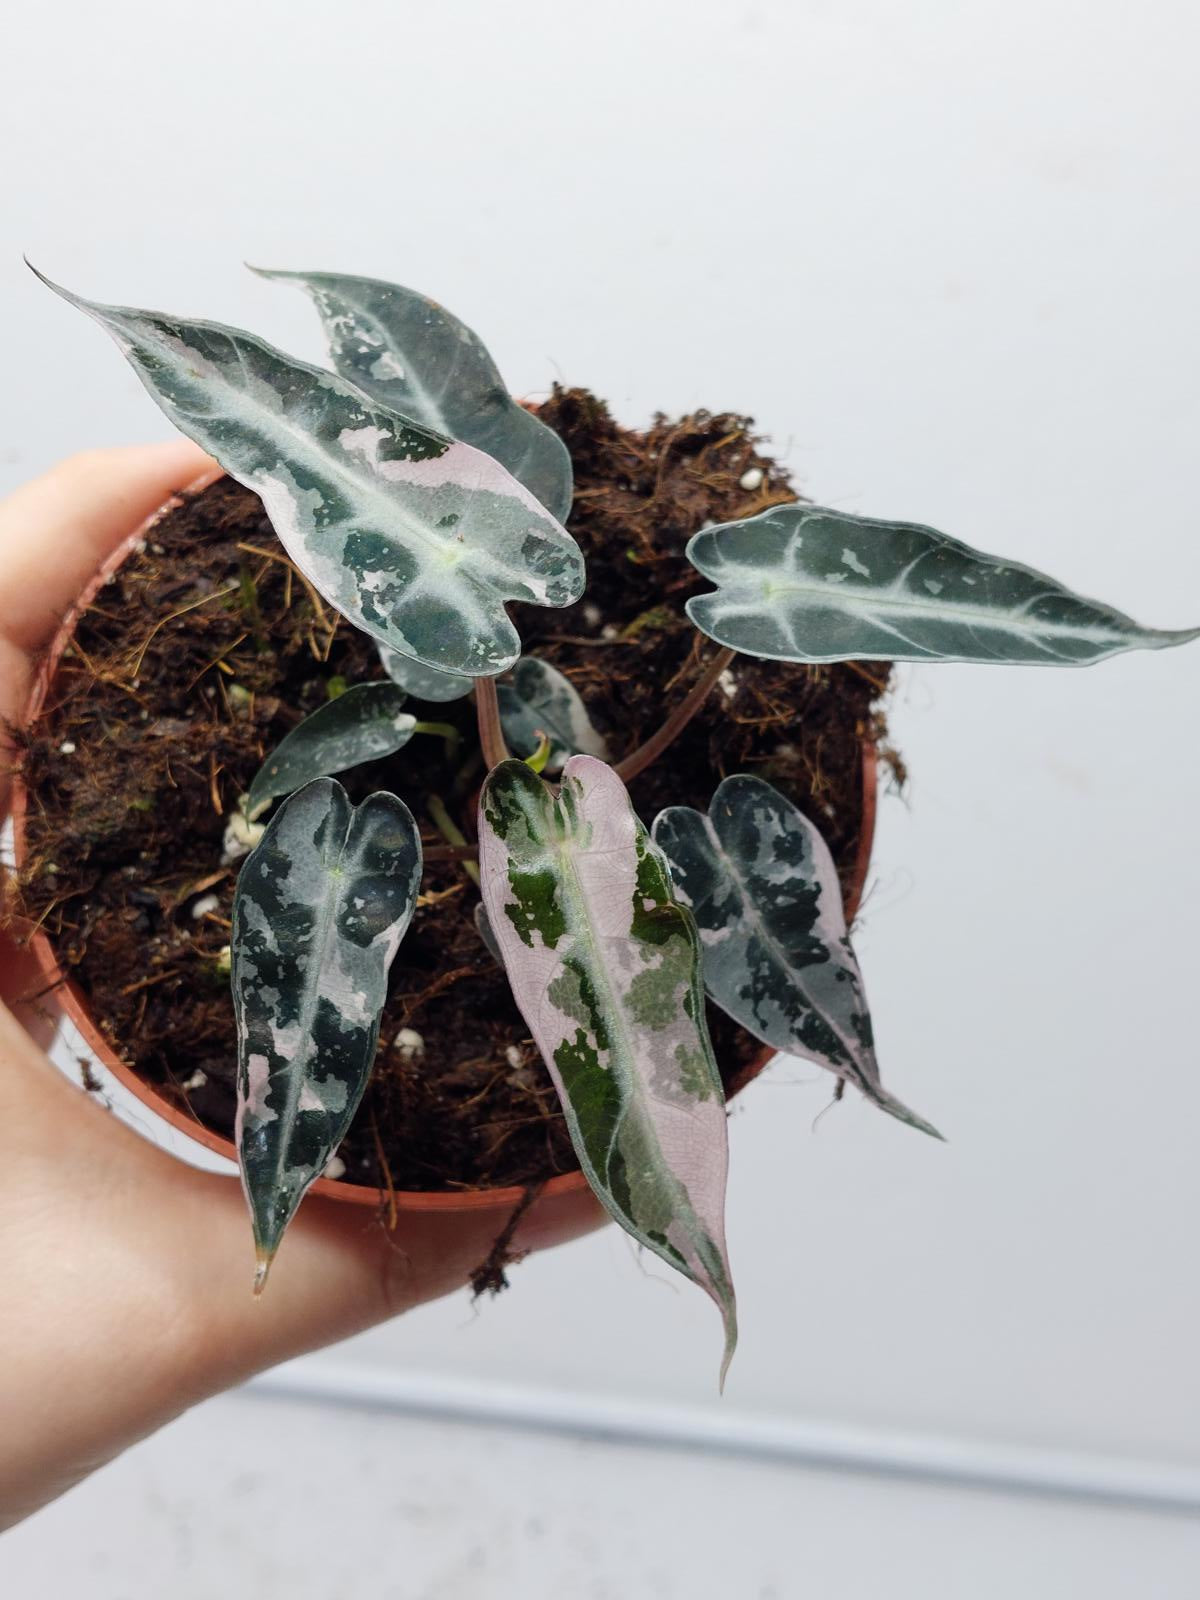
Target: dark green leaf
pixel 322 904
pixel 412 355
pixel 803 583
pixel 763 888
pixel 365 723
pixel 540 700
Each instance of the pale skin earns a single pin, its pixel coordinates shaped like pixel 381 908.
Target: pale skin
pixel 126 1274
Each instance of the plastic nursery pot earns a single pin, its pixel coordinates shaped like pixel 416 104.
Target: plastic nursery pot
pixel 60 997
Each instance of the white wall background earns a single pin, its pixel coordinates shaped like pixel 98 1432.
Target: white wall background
pixel 947 254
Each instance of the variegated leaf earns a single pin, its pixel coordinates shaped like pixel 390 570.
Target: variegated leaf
pixel 605 967
pixel 412 355
pixel 540 700
pixel 418 540
pixel 803 583
pixel 322 904
pixel 422 682
pixel 764 891
pixel 365 723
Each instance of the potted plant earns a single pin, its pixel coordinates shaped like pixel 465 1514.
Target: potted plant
pixel 641 862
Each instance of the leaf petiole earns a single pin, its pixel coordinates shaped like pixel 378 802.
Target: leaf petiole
pixel 487 712
pixel 442 730
pixel 451 832
pixel 646 754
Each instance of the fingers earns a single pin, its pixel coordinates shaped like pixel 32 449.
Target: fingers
pixel 102 1232
pixel 55 531
pixel 339 1269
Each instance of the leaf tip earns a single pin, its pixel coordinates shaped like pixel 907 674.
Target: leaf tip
pixel 42 278
pixel 729 1313
pixel 896 1108
pixel 262 1267
pixel 90 307
pixel 920 1124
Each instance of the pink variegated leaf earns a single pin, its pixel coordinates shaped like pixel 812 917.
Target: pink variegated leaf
pixel 605 966
pixel 419 540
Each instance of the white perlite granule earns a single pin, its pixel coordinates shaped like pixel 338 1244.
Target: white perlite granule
pixel 409 1043
pixel 240 838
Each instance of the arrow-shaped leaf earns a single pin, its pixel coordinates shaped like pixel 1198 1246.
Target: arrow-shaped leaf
pixel 322 904
pixel 422 682
pixel 363 724
pixel 803 583
pixel 540 700
pixel 764 891
pixel 417 540
pixel 410 354
pixel 605 967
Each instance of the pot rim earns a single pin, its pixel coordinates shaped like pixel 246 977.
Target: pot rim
pixel 71 1002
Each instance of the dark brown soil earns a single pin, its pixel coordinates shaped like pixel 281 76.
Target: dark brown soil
pixel 207 648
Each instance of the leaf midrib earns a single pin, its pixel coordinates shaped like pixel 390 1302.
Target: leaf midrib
pixel 570 877
pixel 886 600
pixel 639 1098
pixel 308 1012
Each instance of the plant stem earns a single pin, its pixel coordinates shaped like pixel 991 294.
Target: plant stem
pixel 451 832
pixel 442 730
pixel 646 754
pixel 487 712
pixel 452 852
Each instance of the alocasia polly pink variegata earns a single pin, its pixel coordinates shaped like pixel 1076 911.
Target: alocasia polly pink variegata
pixel 420 501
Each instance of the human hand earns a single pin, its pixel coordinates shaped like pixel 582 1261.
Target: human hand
pixel 126 1275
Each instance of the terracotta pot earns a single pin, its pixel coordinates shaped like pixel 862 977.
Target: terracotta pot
pixel 60 995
